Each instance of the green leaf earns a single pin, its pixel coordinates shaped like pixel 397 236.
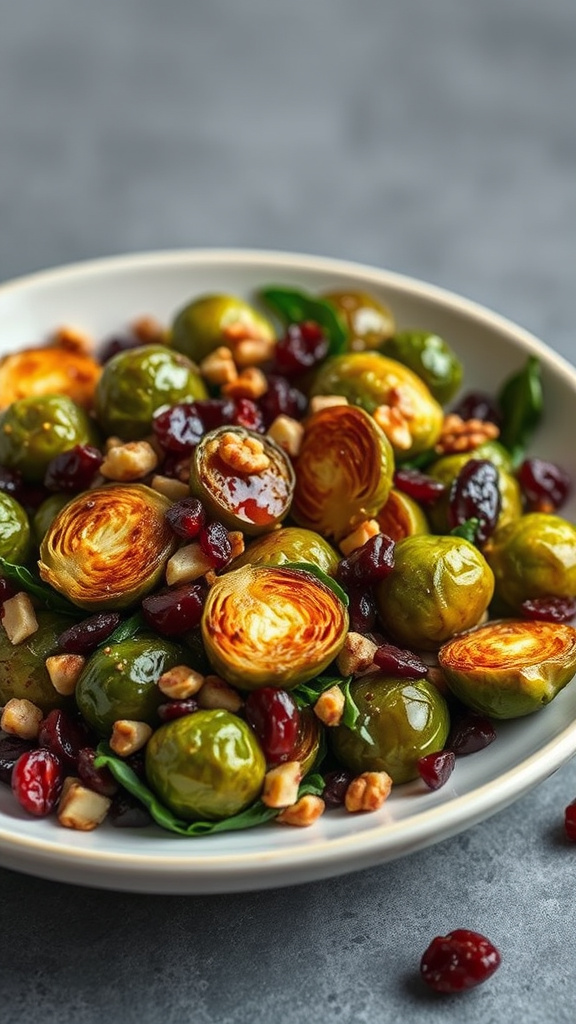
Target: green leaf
pixel 421 461
pixel 306 694
pixel 126 630
pixel 467 530
pixel 351 713
pixel 293 306
pixel 328 581
pixel 521 402
pixel 32 584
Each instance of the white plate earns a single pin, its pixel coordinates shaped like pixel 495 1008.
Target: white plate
pixel 103 297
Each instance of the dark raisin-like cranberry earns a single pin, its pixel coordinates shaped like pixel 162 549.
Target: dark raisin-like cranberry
pixel 215 544
pixel 118 343
pixel 11 482
pixel 63 736
pixel 475 494
pixel 302 347
pixel 478 405
pixel 282 399
pixel 175 611
pixel 84 636
pixel 471 733
pixel 32 496
pixel 570 821
pixel 186 517
pixel 435 769
pixel 418 485
pixel 101 779
pixel 275 718
pixel 137 762
pixel 37 780
pixel 459 960
pixel 11 748
pixel 248 415
pixel 400 662
pixel 361 610
pixel 177 709
pixel 7 589
pixel 545 486
pixel 73 470
pixel 550 609
pixel 336 784
pixel 127 812
pixel 369 563
pixel 179 429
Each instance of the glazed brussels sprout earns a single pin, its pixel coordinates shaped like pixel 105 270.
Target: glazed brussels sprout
pixel 447 468
pixel 107 548
pixel 45 515
pixel 398 398
pixel 34 430
pixel 510 668
pixel 290 544
pixel 120 681
pixel 213 320
pixel 533 556
pixel 400 721
pixel 23 672
pixel 401 516
pixel 439 586
pixel 272 626
pixel 431 358
pixel 139 381
pixel 343 473
pixel 369 322
pixel 52 370
pixel 309 743
pixel 205 766
pixel 242 478
pixel 14 530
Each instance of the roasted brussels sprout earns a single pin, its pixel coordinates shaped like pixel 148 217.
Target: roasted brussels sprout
pixel 242 478
pixel 447 468
pixel 309 743
pixel 23 672
pixel 14 530
pixel 139 381
pixel 214 320
pixel 439 586
pixel 509 668
pixel 34 430
pixel 290 544
pixel 52 370
pixel 343 473
pixel 369 322
pixel 401 516
pixel 397 397
pixel 400 721
pixel 431 358
pixel 120 681
pixel 108 547
pixel 272 626
pixel 533 556
pixel 205 766
pixel 45 515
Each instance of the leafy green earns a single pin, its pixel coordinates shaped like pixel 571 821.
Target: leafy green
pixel 126 629
pixel 467 530
pixel 328 581
pixel 521 401
pixel 306 694
pixel 293 307
pixel 32 584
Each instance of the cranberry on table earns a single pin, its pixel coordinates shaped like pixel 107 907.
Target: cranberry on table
pixel 275 718
pixel 37 780
pixel 570 821
pixel 458 961
pixel 435 769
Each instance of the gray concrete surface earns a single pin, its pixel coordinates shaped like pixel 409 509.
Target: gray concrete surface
pixel 433 137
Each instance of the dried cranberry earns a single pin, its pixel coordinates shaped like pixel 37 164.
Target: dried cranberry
pixel 186 517
pixel 177 709
pixel 73 470
pixel 435 769
pixel 11 482
pixel 400 662
pixel 179 429
pixel 7 589
pixel 570 821
pixel 63 736
pixel 175 611
pixel 459 960
pixel 418 485
pixel 127 812
pixel 302 347
pixel 281 399
pixel 361 610
pixel 475 494
pixel 84 636
pixel 336 784
pixel 471 733
pixel 11 748
pixel 100 780
pixel 369 563
pixel 550 609
pixel 120 343
pixel 215 543
pixel 275 719
pixel 37 781
pixel 545 485
pixel 246 413
pixel 478 405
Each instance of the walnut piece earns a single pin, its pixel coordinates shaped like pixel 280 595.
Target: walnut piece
pixel 218 367
pixel 287 433
pixel 64 671
pixel 20 717
pixel 329 707
pixel 180 682
pixel 251 383
pixel 359 535
pixel 357 654
pixel 458 435
pixel 367 792
pixel 81 808
pixel 216 694
pixel 281 784
pixel 128 737
pixel 243 454
pixel 303 813
pixel 130 461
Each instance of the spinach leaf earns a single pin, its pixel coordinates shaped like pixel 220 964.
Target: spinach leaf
pixel 32 584
pixel 293 306
pixel 467 530
pixel 328 581
pixel 126 630
pixel 521 400
pixel 306 694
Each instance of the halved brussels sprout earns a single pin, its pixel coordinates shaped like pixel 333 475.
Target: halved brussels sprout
pixel 533 556
pixel 431 358
pixel 52 370
pixel 23 672
pixel 373 381
pixel 108 547
pixel 401 516
pixel 400 721
pixel 290 544
pixel 439 586
pixel 14 530
pixel 205 766
pixel 309 742
pixel 34 430
pixel 242 478
pixel 139 381
pixel 510 668
pixel 272 626
pixel 368 321
pixel 343 472
pixel 447 468
pixel 213 320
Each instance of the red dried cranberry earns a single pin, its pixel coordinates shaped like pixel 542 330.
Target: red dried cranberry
pixel 175 611
pixel 73 470
pixel 400 662
pixel 361 610
pixel 336 784
pixel 127 812
pixel 179 429
pixel 417 485
pixel 545 485
pixel 281 399
pixel 459 960
pixel 37 780
pixel 475 494
pixel 7 589
pixel 369 563
pixel 11 482
pixel 186 517
pixel 100 780
pixel 11 748
pixel 302 347
pixel 471 733
pixel 215 544
pixel 84 636
pixel 116 344
pixel 435 769
pixel 275 719
pixel 550 609
pixel 63 736
pixel 570 821
pixel 478 405
pixel 247 414
pixel 177 709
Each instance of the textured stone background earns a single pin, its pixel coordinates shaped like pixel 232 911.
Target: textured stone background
pixel 433 138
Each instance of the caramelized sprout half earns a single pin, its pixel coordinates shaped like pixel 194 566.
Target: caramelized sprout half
pixel 290 544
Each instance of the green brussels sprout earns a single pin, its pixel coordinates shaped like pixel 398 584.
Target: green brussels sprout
pixel 439 586
pixel 213 320
pixel 384 387
pixel 14 530
pixel 509 668
pixel 290 544
pixel 205 766
pixel 447 468
pixel 267 625
pixel 242 478
pixel 138 382
pixel 23 672
pixel 431 358
pixel 45 515
pixel 309 744
pixel 533 556
pixel 369 322
pixel 343 473
pixel 120 681
pixel 34 430
pixel 400 721
pixel 401 516
pixel 108 547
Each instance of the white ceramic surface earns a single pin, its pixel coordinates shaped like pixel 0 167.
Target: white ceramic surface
pixel 103 297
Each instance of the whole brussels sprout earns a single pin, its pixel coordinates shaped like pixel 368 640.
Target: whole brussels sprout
pixel 139 381
pixel 533 556
pixel 205 766
pixel 447 468
pixel 439 586
pixel 401 516
pixel 400 721
pixel 431 358
pixel 369 322
pixel 290 544
pixel 14 530
pixel 34 430
pixel 381 385
pixel 45 515
pixel 213 320
pixel 120 681
pixel 23 672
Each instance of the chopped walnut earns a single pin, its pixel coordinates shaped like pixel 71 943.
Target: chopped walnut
pixel 218 367
pixel 64 671
pixel 362 533
pixel 130 461
pixel 367 792
pixel 251 383
pixel 81 808
pixel 460 435
pixel 320 402
pixel 149 331
pixel 395 425
pixel 215 694
pixel 281 784
pixel 19 618
pixel 20 717
pixel 243 454
pixel 356 655
pixel 187 564
pixel 303 813
pixel 287 433
pixel 237 543
pixel 73 339
pixel 128 737
pixel 180 682
pixel 329 707
pixel 252 351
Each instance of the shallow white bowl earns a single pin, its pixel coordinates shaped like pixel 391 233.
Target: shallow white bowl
pixel 103 297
